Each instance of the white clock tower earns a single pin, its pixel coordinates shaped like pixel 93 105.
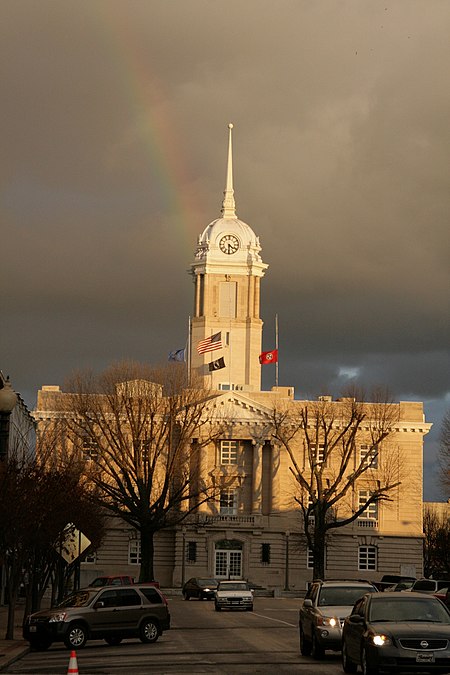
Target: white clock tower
pixel 227 271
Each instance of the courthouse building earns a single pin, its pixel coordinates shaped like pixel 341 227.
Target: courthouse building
pixel 254 528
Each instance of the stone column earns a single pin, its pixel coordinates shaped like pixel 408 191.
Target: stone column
pixel 257 478
pixel 275 496
pixel 202 464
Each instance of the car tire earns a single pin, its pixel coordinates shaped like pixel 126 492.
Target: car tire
pixel 76 636
pixel 217 608
pixel 365 667
pixel 148 631
pixel 250 609
pixel 317 651
pixel 305 645
pixel 113 640
pixel 40 645
pixel 185 595
pixel 348 665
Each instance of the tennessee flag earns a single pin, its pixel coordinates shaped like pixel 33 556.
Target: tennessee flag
pixel 269 357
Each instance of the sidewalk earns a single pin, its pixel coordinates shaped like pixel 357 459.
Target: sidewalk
pixel 11 650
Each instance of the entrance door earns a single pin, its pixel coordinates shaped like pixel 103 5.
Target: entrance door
pixel 228 564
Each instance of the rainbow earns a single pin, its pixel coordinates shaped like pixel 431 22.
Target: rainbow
pixel 154 120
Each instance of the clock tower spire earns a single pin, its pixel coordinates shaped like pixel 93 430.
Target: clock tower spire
pixel 227 271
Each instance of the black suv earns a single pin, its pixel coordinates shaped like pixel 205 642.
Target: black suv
pixel 105 613
pixel 326 605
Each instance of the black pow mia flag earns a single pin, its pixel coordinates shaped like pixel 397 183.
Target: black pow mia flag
pixel 218 364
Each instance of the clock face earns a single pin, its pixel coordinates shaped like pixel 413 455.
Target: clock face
pixel 229 244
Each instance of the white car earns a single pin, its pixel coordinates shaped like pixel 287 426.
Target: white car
pixel 233 595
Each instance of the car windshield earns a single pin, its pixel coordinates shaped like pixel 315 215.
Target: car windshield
pixel 342 595
pixel 408 609
pixel 233 587
pixel 77 599
pixel 207 582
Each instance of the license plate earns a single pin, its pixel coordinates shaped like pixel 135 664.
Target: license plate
pixel 33 629
pixel 424 658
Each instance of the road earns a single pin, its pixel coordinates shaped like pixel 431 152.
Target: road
pixel 200 641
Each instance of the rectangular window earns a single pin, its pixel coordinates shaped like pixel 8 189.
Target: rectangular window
pixel 371 513
pixel 228 505
pixel 191 552
pixel 134 552
pixel 89 447
pixel 367 558
pixel 368 455
pixel 310 558
pixel 228 452
pixel 265 554
pixel 317 451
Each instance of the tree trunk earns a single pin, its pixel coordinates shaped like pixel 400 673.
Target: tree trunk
pixel 12 601
pixel 319 547
pixel 147 554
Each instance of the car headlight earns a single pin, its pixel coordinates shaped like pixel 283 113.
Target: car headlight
pixel 57 617
pixel 328 621
pixel 379 639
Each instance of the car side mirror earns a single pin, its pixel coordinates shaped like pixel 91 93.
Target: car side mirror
pixel 99 604
pixel 356 618
pixel 307 602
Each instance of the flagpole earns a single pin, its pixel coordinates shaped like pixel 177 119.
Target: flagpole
pixel 189 352
pixel 276 347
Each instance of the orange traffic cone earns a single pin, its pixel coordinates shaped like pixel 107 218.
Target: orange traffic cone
pixel 73 664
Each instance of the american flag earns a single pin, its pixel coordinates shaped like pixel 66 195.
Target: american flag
pixel 210 344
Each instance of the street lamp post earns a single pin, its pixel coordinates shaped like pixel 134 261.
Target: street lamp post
pixel 8 399
pixel 286 578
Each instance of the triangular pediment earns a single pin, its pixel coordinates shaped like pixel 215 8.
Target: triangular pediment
pixel 237 408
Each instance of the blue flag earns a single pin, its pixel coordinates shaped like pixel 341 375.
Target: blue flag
pixel 178 355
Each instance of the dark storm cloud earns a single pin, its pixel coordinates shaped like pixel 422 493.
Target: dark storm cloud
pixel 115 110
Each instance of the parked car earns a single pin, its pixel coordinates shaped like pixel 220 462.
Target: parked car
pixel 105 613
pixel 322 614
pixel 397 631
pixel 117 580
pixel 112 580
pixel 388 581
pixel 199 587
pixel 401 586
pixel 431 586
pixel 442 594
pixel 233 595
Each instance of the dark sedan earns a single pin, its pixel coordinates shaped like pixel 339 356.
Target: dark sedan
pixel 397 632
pixel 200 587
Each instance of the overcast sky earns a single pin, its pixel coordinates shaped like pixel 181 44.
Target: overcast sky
pixel 114 121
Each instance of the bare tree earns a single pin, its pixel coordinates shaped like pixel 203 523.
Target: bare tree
pixel 37 502
pixel 336 447
pixel 444 454
pixel 137 425
pixel 436 544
